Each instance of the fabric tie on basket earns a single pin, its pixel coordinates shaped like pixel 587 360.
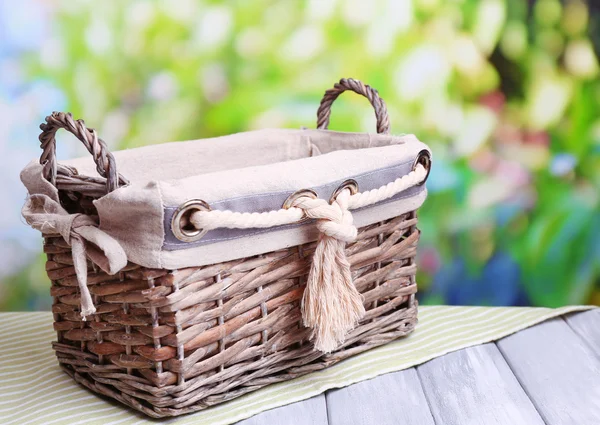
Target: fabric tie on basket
pixel 81 232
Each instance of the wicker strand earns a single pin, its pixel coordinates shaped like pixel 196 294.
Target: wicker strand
pixel 324 111
pixel 105 162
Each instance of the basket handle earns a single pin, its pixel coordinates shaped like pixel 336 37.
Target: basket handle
pixel 105 161
pixel 324 111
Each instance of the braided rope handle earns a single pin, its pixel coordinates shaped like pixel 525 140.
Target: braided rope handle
pixel 324 111
pixel 105 162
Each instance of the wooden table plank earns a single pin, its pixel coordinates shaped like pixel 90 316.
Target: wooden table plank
pixel 312 411
pixel 475 386
pixel 586 324
pixel 392 399
pixel 558 370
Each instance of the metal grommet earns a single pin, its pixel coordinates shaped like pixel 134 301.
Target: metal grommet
pixel 289 202
pixel 350 184
pixel 185 232
pixel 423 158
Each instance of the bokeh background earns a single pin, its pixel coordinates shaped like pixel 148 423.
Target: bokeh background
pixel 506 92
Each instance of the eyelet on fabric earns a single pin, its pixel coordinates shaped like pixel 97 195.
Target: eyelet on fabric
pixel 289 202
pixel 180 224
pixel 299 194
pixel 423 158
pixel 350 184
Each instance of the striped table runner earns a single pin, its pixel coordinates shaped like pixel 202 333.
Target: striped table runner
pixel 33 389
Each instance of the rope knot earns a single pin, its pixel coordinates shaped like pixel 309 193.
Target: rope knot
pixel 345 232
pixel 334 220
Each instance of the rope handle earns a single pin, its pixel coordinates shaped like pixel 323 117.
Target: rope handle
pixel 324 111
pixel 105 161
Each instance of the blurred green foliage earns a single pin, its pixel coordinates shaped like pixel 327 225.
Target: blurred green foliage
pixel 506 94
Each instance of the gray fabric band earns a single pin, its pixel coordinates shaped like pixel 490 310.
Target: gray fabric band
pixel 274 201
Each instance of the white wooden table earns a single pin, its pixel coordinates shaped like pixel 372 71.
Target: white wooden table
pixel 548 374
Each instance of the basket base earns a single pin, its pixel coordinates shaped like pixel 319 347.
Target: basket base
pixel 291 363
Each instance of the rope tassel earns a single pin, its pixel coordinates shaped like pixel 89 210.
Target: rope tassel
pixel 331 305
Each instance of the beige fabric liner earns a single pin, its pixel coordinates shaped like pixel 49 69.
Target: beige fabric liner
pixel 178 160
pixel 243 164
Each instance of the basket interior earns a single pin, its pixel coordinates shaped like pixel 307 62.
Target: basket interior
pixel 180 160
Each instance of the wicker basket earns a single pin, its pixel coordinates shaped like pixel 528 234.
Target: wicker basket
pixel 173 341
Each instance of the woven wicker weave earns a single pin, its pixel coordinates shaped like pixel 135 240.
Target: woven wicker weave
pixel 168 342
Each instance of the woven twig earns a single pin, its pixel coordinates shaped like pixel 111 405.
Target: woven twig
pixel 324 111
pixel 105 162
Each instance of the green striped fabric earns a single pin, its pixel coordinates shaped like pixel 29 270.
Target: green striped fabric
pixel 33 389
